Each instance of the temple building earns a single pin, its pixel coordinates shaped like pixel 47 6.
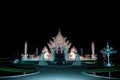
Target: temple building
pixel 57 51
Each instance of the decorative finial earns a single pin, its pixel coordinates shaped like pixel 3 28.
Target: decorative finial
pixel 59 32
pixel 107 44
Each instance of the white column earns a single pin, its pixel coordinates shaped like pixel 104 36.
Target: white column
pixel 25 48
pixel 81 51
pixel 93 48
pixel 36 50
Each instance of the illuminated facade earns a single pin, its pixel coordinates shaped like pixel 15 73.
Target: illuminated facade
pixel 58 46
pixel 59 51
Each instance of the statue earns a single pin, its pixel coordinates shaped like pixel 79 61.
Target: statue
pixel 65 53
pixel 53 54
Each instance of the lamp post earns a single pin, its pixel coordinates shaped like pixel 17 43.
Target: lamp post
pixel 108 50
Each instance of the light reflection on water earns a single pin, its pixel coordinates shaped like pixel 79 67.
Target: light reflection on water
pixel 108 74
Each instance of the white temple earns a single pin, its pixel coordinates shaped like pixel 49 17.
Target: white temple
pixel 56 48
pixel 61 46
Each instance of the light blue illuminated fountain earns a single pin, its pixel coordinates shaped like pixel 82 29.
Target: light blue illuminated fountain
pixel 108 50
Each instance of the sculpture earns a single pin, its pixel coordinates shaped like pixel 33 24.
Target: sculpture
pixel 108 50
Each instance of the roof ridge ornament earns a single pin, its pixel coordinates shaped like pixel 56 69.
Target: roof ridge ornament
pixel 59 32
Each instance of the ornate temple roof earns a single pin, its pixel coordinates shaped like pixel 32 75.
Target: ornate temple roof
pixel 59 42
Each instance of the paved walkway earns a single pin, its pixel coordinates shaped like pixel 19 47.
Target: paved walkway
pixel 58 73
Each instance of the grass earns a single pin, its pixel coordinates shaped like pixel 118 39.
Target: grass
pixel 113 69
pixel 3 68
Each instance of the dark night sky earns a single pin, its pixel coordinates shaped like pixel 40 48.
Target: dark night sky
pixel 39 34
pixel 37 29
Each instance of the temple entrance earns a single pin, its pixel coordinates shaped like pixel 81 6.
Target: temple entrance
pixel 59 59
pixel 59 50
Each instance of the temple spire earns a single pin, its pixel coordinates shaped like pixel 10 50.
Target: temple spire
pixel 25 48
pixel 93 48
pixel 59 32
pixel 107 45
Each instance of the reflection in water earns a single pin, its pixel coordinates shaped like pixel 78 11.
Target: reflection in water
pixel 94 73
pixel 108 74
